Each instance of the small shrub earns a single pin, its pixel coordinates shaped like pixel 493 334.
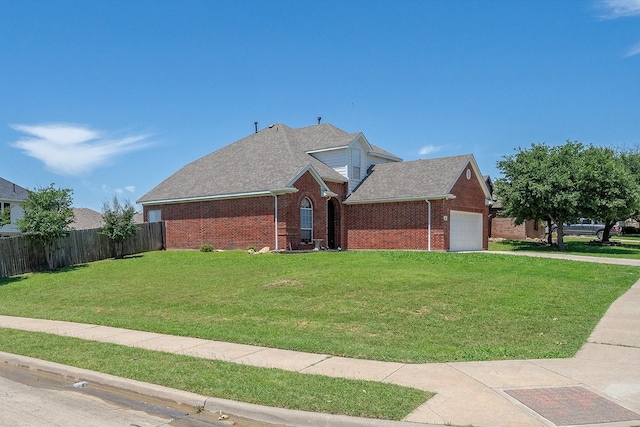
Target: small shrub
pixel 206 248
pixel 251 247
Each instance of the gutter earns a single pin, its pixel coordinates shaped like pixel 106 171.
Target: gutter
pixel 403 199
pixel 275 216
pixel 428 225
pixel 220 197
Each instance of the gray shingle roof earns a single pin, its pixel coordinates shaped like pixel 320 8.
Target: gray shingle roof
pixel 11 191
pixel 267 160
pixel 418 179
pixel 85 218
pixel 326 136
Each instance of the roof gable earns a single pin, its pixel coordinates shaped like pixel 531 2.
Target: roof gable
pixel 326 137
pixel 12 192
pixel 413 180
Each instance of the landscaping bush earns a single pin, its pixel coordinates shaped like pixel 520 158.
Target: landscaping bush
pixel 207 248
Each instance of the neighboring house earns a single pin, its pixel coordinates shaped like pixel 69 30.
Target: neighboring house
pixel 138 218
pixel 86 219
pixel 11 198
pixel 316 186
pixel 504 227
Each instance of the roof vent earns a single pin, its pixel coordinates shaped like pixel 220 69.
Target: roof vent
pixel 255 125
pixel 319 118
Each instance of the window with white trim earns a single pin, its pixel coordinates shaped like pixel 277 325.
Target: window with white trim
pixel 306 221
pixel 355 163
pixel 154 216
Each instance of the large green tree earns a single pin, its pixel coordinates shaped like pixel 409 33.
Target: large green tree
pixel 631 159
pixel 609 191
pixel 118 223
pixel 47 217
pixel 541 183
pixel 566 182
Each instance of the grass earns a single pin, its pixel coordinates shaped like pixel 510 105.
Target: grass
pixel 396 306
pixel 271 387
pixel 628 248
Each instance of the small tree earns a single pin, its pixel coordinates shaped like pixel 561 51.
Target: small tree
pixel 5 217
pixel 47 217
pixel 118 223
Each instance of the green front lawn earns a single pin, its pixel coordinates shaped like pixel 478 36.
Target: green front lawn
pixel 271 387
pixel 396 306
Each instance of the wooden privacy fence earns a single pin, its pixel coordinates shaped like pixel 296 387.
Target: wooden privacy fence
pixel 20 254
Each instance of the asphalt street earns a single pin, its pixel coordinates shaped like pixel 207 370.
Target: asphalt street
pixel 31 398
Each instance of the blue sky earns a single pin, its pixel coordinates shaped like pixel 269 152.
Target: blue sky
pixel 111 97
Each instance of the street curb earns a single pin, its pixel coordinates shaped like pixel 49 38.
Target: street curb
pixel 254 412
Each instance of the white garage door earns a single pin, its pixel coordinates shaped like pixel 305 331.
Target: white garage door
pixel 466 231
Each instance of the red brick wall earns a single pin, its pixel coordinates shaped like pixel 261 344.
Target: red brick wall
pixel 470 198
pixel 396 225
pixel 506 229
pixel 240 223
pixel 535 229
pixel 226 224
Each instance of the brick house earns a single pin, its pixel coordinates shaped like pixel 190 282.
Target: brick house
pixel 504 227
pixel 293 189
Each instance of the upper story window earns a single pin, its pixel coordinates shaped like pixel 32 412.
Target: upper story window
pixel 154 216
pixel 355 163
pixel 306 221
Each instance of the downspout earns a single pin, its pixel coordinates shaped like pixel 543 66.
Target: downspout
pixel 428 225
pixel 326 214
pixel 275 217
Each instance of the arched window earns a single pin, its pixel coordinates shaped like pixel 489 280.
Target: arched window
pixel 306 221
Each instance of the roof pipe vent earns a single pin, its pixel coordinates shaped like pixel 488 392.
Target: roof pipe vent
pixel 319 118
pixel 255 125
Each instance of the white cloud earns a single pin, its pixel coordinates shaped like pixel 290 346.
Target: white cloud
pixel 74 150
pixel 127 189
pixel 612 9
pixel 633 51
pixel 428 149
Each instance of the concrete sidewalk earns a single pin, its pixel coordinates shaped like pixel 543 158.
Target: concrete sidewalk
pixel 599 386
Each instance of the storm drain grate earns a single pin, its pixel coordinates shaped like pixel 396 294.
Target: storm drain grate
pixel 565 406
